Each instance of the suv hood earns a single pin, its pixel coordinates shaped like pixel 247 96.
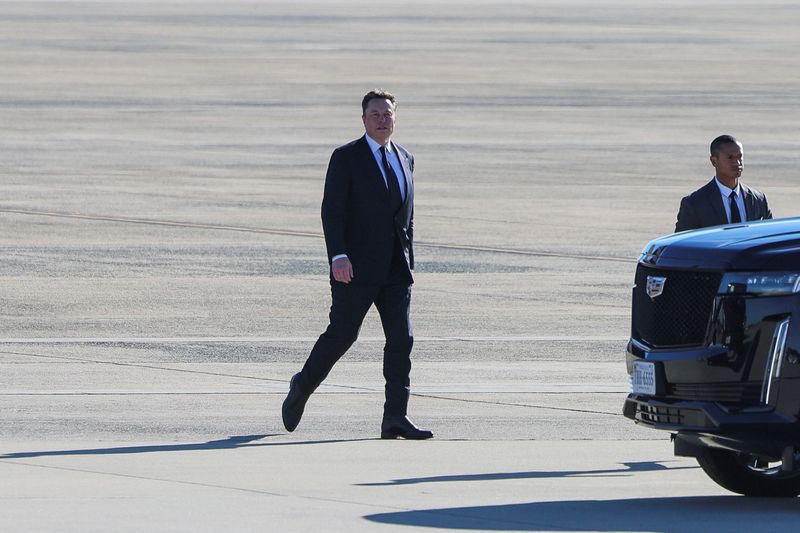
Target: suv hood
pixel 758 245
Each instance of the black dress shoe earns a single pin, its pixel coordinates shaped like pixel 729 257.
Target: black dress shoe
pixel 293 405
pixel 400 426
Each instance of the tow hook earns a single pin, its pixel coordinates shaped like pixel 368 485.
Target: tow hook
pixel 788 459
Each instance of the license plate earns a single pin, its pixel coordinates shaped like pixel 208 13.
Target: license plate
pixel 643 379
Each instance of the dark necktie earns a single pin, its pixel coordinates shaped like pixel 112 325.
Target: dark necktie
pixel 735 215
pixel 395 198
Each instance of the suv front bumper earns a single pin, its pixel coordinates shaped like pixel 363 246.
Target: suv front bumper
pixel 754 430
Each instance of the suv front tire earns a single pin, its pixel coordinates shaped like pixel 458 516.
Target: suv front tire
pixel 746 474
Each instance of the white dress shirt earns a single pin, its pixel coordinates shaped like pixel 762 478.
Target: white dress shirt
pixel 726 193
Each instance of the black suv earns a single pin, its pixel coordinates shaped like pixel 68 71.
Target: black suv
pixel 714 353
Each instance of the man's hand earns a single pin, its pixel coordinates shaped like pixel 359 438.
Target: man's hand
pixel 342 270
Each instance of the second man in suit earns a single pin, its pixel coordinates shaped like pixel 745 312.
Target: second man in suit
pixel 725 199
pixel 368 221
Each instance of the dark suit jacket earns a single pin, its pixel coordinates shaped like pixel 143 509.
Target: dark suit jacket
pixel 704 207
pixel 356 216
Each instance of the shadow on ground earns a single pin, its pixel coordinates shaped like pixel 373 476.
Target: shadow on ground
pixel 243 441
pixel 629 468
pixel 685 515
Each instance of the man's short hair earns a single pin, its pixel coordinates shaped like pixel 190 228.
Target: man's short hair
pixel 376 93
pixel 721 141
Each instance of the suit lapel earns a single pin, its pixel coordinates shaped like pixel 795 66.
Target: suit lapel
pixel 715 199
pixel 749 203
pixel 401 156
pixel 375 174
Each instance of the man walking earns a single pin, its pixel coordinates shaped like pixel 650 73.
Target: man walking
pixel 368 221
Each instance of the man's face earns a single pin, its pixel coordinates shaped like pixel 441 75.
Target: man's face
pixel 379 120
pixel 729 162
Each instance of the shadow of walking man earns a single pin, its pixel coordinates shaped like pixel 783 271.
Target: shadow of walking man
pixel 221 444
pixel 241 441
pixel 629 468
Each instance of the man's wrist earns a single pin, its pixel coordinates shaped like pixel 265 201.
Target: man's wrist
pixel 340 256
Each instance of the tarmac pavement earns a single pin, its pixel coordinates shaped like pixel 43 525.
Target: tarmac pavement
pixel 163 270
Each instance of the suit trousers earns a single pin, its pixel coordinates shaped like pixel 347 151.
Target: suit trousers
pixel 350 303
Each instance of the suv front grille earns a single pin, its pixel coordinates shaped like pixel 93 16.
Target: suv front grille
pixel 748 393
pixel 666 416
pixel 651 414
pixel 680 315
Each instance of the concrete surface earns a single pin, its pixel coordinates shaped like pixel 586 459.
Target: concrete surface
pixel 163 270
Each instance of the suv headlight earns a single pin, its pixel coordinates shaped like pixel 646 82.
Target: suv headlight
pixel 760 283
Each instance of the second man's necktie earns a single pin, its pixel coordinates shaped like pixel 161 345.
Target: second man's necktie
pixel 735 215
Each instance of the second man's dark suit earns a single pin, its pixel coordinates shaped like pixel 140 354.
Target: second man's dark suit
pixel 704 208
pixel 359 220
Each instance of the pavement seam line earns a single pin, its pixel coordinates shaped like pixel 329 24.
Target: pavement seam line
pixel 144 478
pixel 244 339
pixel 275 380
pixel 509 404
pixel 279 495
pixel 238 489
pixel 296 233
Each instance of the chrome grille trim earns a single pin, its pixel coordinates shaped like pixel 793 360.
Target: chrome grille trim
pixel 775 360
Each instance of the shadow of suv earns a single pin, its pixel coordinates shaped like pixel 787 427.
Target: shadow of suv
pixel 714 353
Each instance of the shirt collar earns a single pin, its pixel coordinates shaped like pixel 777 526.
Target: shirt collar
pixel 374 146
pixel 725 191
